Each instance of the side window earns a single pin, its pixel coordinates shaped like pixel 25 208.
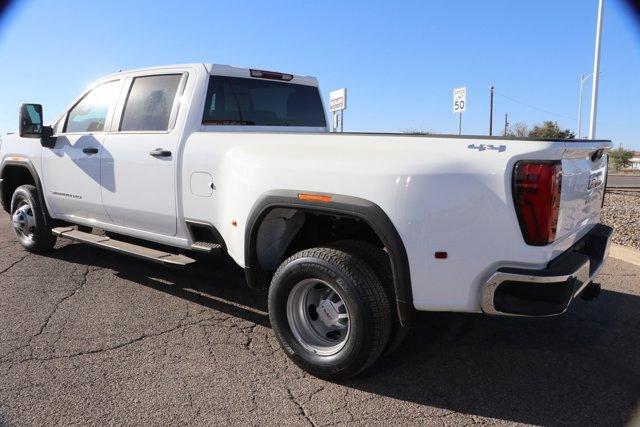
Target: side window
pixel 149 103
pixel 90 114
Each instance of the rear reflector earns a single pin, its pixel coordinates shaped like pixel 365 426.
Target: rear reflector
pixel 271 75
pixel 536 196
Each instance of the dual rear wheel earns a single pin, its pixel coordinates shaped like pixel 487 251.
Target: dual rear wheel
pixel 331 311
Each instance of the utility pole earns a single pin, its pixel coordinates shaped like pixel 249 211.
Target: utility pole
pixel 491 110
pixel 596 73
pixel 506 123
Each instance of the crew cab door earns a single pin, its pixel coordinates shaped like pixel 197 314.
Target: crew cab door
pixel 71 169
pixel 138 167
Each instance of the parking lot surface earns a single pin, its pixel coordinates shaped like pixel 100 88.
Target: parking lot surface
pixel 88 336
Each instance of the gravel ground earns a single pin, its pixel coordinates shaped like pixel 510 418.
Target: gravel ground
pixel 622 212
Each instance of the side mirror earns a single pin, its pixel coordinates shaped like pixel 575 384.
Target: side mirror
pixel 31 125
pixel 30 121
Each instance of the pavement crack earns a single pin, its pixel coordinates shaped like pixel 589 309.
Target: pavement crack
pixel 13 264
pixel 73 293
pixel 301 409
pixel 47 321
pixel 249 332
pixel 118 346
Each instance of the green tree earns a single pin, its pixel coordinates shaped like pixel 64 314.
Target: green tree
pixel 620 158
pixel 550 130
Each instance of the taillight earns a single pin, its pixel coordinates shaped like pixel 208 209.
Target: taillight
pixel 536 195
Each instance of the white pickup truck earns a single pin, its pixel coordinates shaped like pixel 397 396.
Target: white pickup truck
pixel 353 233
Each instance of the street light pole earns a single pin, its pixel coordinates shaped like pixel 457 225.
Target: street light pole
pixel 583 78
pixel 596 73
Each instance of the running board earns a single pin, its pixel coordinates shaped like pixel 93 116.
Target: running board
pixel 149 254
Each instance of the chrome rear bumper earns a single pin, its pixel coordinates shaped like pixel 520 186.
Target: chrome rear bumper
pixel 548 292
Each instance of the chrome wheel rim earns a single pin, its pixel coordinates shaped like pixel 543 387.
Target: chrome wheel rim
pixel 318 317
pixel 23 220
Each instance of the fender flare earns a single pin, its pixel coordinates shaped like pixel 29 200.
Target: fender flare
pixel 24 163
pixel 340 205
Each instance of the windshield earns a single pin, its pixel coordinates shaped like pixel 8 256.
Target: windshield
pixel 253 102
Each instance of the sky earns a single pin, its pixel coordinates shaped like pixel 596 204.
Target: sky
pixel 399 60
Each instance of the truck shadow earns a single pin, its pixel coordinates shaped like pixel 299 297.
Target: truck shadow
pixel 582 368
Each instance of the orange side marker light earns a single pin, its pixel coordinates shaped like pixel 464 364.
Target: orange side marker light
pixel 314 197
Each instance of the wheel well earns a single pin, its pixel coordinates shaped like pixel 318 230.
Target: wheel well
pixel 321 229
pixel 285 231
pixel 13 176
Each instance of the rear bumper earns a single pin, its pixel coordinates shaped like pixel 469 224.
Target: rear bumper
pixel 547 292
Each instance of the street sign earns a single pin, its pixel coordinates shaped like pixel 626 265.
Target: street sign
pixel 459 99
pixel 338 100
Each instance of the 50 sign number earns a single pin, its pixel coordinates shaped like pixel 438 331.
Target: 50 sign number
pixel 458 106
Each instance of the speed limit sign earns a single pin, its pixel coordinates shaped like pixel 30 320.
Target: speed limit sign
pixel 459 99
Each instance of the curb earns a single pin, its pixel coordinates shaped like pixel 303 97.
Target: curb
pixel 632 256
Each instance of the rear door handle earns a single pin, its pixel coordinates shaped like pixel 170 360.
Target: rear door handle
pixel 159 152
pixel 90 150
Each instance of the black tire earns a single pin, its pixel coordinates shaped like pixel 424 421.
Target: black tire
pixel 25 203
pixel 370 316
pixel 378 260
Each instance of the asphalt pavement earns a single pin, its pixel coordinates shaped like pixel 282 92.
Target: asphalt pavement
pixel 631 181
pixel 92 337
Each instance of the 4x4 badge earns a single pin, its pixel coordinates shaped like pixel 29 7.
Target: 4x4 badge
pixel 482 147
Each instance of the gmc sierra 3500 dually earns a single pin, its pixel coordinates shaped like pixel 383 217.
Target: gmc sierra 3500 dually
pixel 353 233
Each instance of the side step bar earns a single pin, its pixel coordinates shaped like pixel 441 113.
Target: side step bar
pixel 149 254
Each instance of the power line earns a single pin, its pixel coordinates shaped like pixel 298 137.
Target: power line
pixel 542 110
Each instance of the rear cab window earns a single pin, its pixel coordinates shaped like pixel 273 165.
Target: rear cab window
pixel 256 102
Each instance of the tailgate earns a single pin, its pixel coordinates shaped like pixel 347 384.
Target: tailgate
pixel 584 171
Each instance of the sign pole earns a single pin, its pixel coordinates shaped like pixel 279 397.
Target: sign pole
pixel 459 123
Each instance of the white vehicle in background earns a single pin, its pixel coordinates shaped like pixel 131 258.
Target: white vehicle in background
pixel 352 233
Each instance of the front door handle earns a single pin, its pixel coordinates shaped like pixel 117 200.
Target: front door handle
pixel 159 152
pixel 90 150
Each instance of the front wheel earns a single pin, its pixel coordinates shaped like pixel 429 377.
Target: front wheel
pixel 329 312
pixel 27 217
